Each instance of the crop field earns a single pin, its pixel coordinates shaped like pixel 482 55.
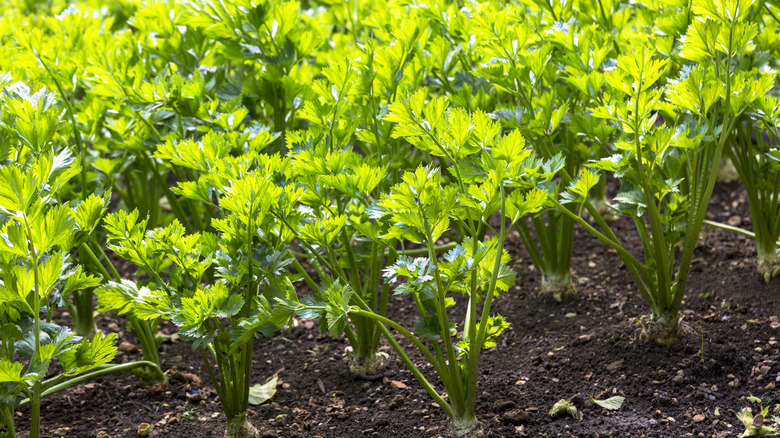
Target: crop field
pixel 389 218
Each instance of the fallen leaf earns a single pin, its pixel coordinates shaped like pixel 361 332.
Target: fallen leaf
pixel 259 394
pixel 610 404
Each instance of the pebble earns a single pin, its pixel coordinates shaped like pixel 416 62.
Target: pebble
pixel 515 417
pixel 102 434
pixel 698 418
pixel 397 402
pixel 397 385
pixel 614 366
pixel 126 347
pixel 502 405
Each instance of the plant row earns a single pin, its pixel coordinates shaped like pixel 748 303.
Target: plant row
pixel 262 160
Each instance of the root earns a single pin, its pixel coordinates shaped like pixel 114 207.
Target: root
pixel 368 367
pixel 663 331
pixel 727 172
pixel 469 428
pixel 557 287
pixel 604 208
pixel 241 428
pixel 769 267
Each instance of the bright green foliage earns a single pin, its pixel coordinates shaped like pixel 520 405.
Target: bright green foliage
pixel 671 144
pixel 492 173
pixel 754 139
pixel 249 149
pixel 547 66
pixel 217 288
pixel 36 273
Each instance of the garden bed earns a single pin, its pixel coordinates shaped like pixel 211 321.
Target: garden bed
pixel 583 347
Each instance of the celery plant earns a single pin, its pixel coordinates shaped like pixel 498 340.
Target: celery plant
pixel 756 157
pixel 215 287
pixel 34 116
pixel 549 73
pixel 667 170
pixel 340 185
pixel 59 61
pixel 487 174
pixel 37 273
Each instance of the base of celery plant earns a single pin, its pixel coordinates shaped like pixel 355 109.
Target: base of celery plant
pixel 604 209
pixel 556 287
pixel 727 173
pixel 662 331
pixel 467 427
pixel 150 376
pixel 769 266
pixel 368 365
pixel 240 427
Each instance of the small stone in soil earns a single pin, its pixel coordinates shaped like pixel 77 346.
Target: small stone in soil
pixel 397 402
pixel 502 405
pixel 126 347
pixel 397 385
pixel 614 366
pixel 515 417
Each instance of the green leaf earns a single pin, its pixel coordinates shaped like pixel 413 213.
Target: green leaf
pixel 14 240
pixel 429 327
pixel 49 272
pixel 611 404
pixel 579 189
pixel 87 355
pixel 10 371
pixel 78 281
pixel 17 190
pixel 56 230
pixel 89 212
pixel 563 407
pixel 261 393
pixel 126 297
pixel 495 326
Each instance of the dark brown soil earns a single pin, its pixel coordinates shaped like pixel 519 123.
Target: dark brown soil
pixel 584 347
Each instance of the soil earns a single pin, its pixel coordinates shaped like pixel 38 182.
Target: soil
pixel 585 347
